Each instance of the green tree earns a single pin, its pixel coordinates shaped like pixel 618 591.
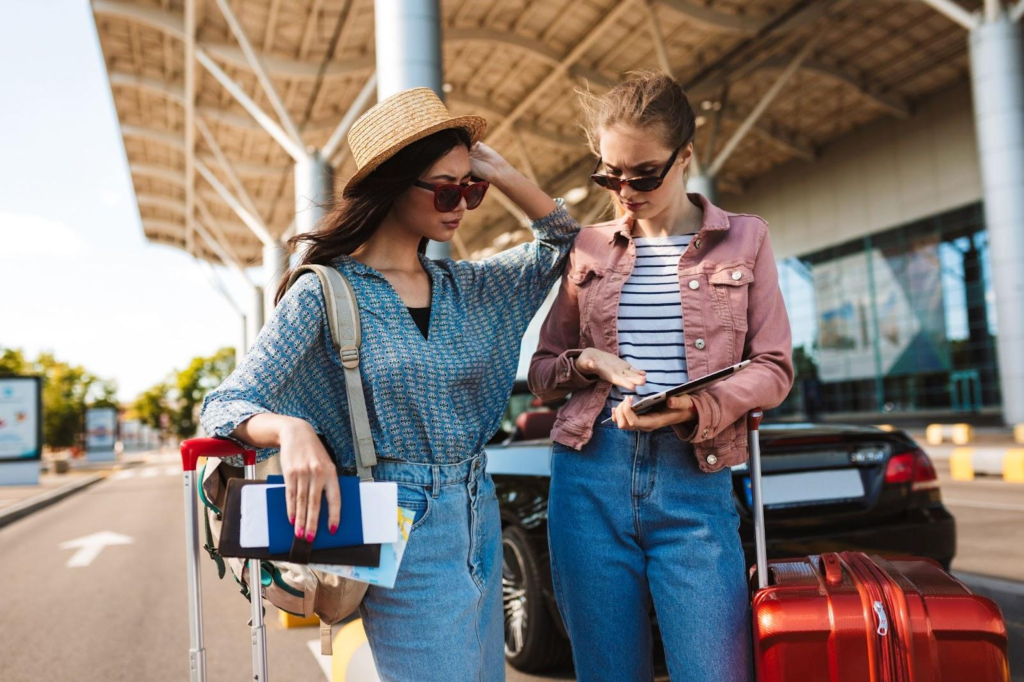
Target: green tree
pixel 13 363
pixel 176 401
pixel 150 406
pixel 193 383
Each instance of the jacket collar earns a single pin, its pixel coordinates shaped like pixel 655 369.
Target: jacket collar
pixel 714 218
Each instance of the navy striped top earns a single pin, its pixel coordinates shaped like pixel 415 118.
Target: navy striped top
pixel 651 317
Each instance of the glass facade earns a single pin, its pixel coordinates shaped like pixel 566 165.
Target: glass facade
pixel 899 321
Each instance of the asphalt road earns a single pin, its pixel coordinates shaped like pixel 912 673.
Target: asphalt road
pixel 123 616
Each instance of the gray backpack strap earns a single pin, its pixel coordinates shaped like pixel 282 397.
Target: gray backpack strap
pixel 343 320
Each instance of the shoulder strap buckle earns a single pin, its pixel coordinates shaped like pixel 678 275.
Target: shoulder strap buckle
pixel 349 357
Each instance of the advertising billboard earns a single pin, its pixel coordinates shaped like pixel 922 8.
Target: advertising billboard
pixel 100 432
pixel 21 422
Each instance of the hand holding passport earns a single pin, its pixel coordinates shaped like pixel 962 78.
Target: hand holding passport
pixel 256 523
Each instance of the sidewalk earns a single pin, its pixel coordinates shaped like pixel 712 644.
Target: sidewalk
pixel 21 500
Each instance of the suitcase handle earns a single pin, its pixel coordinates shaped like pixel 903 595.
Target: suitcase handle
pixel 194 448
pixel 754 441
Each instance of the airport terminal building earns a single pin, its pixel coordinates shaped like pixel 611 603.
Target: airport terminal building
pixel 883 141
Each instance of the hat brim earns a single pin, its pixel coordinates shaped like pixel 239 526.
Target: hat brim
pixel 474 125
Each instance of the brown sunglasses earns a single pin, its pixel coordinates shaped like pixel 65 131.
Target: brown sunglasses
pixel 646 183
pixel 448 196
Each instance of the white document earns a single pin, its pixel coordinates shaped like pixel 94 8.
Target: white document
pixel 378 502
pixel 254 531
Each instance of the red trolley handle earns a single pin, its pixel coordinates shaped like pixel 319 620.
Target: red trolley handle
pixel 194 448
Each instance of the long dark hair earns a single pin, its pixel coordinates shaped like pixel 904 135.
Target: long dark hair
pixel 361 209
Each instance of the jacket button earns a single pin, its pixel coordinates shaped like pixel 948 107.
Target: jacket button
pixel 694 284
pixel 696 243
pixel 711 459
pixel 737 275
pixel 699 343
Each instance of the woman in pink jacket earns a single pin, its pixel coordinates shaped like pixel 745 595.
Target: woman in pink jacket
pixel 641 512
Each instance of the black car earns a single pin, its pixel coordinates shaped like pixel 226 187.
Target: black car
pixel 827 487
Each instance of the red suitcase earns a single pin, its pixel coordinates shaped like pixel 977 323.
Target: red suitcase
pixel 850 617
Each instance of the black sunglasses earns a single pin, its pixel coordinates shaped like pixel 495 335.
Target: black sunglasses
pixel 448 196
pixel 646 183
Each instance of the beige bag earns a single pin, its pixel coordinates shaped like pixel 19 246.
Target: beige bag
pixel 296 588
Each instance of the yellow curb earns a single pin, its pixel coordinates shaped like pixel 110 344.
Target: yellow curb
pixel 289 621
pixel 352 660
pixel 1013 465
pixel 933 434
pixel 961 465
pixel 1018 434
pixel 962 434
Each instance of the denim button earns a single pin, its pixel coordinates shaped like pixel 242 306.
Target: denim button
pixel 711 459
pixel 737 275
pixel 694 284
pixel 697 243
pixel 699 343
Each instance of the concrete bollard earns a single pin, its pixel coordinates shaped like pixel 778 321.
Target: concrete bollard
pixel 961 464
pixel 352 660
pixel 1013 465
pixel 287 621
pixel 962 434
pixel 958 434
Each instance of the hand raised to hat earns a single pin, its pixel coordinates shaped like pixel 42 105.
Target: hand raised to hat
pixel 487 164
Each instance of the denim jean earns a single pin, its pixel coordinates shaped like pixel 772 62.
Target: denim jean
pixel 633 522
pixel 443 618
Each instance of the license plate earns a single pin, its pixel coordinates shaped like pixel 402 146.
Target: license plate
pixel 808 488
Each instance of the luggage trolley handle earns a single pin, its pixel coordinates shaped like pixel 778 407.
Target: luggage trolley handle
pixel 753 432
pixel 191 451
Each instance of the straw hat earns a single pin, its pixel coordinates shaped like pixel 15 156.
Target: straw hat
pixel 398 121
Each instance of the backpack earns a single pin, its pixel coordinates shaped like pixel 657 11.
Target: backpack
pixel 295 588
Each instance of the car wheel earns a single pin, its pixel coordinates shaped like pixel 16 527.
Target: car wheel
pixel 532 643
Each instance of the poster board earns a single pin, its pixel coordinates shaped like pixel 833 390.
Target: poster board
pixel 21 430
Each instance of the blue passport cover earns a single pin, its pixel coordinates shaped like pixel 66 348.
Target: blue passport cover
pixel 350 530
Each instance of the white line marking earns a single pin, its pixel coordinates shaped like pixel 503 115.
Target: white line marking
pixel 1002 506
pixel 123 474
pixel 151 472
pixel 90 546
pixel 172 471
pixel 324 661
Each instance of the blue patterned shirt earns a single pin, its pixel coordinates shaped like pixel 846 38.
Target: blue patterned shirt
pixel 436 400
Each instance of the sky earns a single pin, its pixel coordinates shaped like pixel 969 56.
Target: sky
pixel 76 275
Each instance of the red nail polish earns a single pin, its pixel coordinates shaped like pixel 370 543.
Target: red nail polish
pixel 334 529
pixel 291 520
pixel 309 537
pixel 298 532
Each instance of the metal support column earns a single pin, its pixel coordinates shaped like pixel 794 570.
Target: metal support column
pixel 314 191
pixel 275 266
pixel 408 46
pixel 705 184
pixel 255 317
pixel 408 35
pixel 997 78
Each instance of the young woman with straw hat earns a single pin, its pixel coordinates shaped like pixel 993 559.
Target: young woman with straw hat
pixel 440 350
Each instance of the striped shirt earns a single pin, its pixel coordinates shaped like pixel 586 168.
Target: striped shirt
pixel 651 317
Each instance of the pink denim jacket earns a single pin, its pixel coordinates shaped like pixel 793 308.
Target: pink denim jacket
pixel 732 311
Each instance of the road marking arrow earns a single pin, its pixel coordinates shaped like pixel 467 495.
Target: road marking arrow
pixel 90 546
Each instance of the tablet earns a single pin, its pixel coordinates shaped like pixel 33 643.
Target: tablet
pixel 652 401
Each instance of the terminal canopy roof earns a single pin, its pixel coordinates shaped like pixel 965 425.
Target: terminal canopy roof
pixel 515 62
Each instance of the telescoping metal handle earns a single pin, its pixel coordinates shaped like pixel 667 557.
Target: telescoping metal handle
pixel 753 425
pixel 191 451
